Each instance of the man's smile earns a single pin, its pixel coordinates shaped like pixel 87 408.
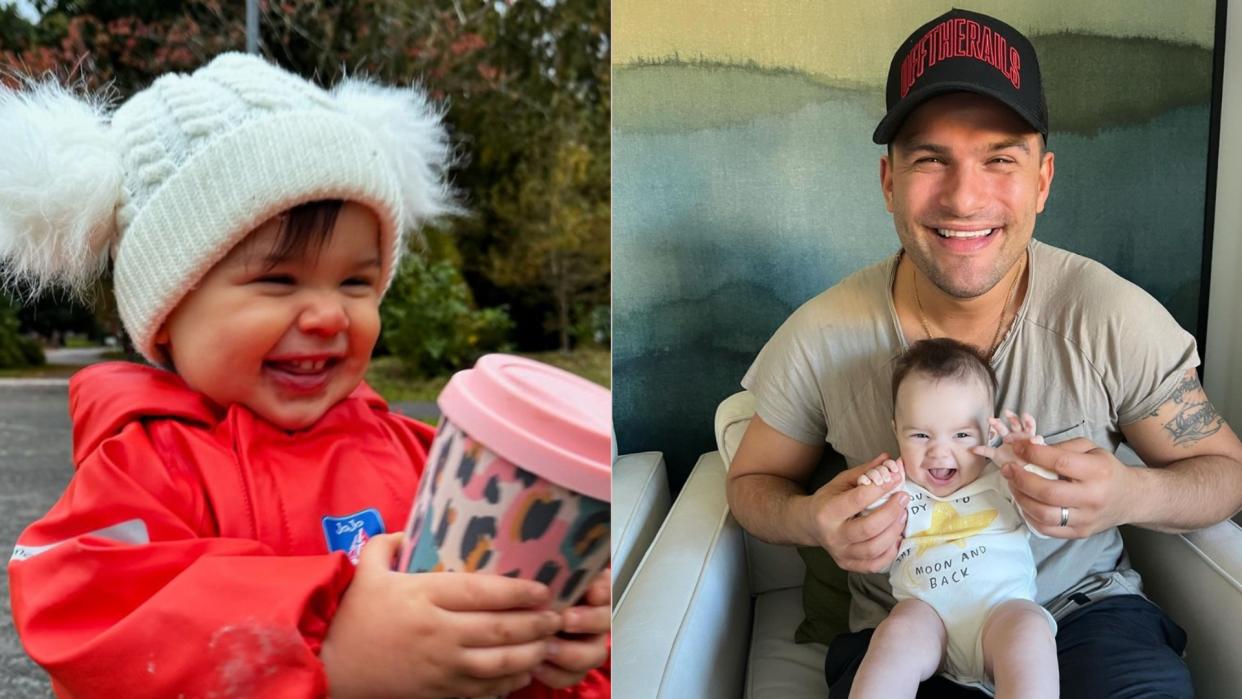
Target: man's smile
pixel 965 240
pixel 951 233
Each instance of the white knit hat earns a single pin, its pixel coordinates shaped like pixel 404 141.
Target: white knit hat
pixel 185 169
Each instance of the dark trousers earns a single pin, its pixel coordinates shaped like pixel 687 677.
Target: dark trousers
pixel 1121 647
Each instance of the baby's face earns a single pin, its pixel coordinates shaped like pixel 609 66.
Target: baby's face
pixel 937 422
pixel 288 340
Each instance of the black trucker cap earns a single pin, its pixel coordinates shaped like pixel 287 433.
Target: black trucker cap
pixel 963 51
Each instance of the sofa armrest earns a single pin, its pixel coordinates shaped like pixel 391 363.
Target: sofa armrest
pixel 1197 579
pixel 682 627
pixel 640 501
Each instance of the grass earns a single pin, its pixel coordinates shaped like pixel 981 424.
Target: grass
pixel 592 363
pixel 79 342
pixel 387 377
pixel 39 372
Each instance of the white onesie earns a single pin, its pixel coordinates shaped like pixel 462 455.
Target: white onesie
pixel 964 554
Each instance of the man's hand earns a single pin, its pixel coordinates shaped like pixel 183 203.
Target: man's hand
pixel 583 643
pixel 1093 485
pixel 434 634
pixel 861 544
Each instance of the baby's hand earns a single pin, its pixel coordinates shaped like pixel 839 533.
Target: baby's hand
pixel 583 643
pixel 434 634
pixel 1018 428
pixel 886 472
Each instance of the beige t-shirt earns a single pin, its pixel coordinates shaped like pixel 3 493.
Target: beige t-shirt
pixel 1088 352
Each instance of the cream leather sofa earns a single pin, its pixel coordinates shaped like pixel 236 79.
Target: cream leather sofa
pixel 640 501
pixel 711 611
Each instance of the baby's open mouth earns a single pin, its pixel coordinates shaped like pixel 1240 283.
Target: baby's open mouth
pixel 301 366
pixel 301 375
pixel 942 475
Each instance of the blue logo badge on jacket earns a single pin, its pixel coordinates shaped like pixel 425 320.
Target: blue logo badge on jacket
pixel 351 532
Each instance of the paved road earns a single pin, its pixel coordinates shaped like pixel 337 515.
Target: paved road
pixel 79 356
pixel 34 467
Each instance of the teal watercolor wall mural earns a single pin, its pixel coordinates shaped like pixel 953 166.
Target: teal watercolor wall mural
pixel 745 180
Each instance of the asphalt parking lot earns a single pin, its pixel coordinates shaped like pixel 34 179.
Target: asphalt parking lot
pixel 35 465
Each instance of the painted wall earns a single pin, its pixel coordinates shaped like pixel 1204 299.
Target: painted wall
pixel 745 180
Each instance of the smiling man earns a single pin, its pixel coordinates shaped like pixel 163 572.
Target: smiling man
pixel 1092 356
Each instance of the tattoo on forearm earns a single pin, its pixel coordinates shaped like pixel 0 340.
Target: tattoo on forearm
pixel 1195 418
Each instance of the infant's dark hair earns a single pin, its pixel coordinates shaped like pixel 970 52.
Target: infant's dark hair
pixel 944 358
pixel 305 228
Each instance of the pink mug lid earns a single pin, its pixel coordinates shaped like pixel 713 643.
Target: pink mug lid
pixel 543 419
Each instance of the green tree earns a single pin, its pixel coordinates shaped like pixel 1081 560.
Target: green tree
pixel 562 247
pixel 540 169
pixel 14 29
pixel 15 350
pixel 430 322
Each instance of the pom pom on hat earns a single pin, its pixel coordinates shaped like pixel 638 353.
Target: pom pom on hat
pixel 60 185
pixel 409 129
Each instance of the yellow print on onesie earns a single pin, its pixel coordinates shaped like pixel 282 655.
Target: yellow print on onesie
pixel 971 520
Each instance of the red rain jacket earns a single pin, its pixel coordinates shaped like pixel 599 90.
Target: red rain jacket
pixel 190 554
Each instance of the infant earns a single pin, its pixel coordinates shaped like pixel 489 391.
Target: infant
pixel 964 576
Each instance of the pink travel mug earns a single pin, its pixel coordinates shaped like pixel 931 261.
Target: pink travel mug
pixel 518 479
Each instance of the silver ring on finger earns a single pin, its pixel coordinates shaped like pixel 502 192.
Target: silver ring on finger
pixel 1064 516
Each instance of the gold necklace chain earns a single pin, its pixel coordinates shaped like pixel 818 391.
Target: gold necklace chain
pixel 1000 322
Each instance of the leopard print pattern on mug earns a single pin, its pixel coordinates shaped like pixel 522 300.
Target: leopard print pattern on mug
pixel 476 511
